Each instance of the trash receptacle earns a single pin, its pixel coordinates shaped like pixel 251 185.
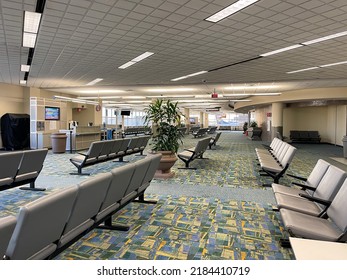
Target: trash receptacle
pixel 344 141
pixel 58 142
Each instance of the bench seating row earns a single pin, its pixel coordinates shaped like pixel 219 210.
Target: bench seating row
pixel 136 131
pixel 47 226
pixel 21 167
pixel 100 151
pixel 304 136
pixel 189 155
pixel 275 160
pixel 317 209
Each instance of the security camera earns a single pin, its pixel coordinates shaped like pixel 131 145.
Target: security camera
pixel 204 81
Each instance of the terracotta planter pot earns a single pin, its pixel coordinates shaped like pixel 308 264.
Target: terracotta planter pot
pixel 167 161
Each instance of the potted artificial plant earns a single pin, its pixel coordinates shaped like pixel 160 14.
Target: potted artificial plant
pixel 165 117
pixel 254 132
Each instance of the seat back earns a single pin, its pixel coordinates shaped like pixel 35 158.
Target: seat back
pixel 106 148
pixel 202 145
pixel 144 143
pixel 121 177
pixel 317 173
pixel 117 144
pixel 337 210
pixel 95 149
pixel 133 143
pixel 90 195
pixel 9 164
pixel 125 144
pixel 289 155
pixel 140 171
pixel 7 225
pixel 217 137
pixel 40 224
pixel 330 183
pixel 31 164
pixel 153 166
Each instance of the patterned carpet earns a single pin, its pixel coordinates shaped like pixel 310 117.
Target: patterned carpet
pixel 188 222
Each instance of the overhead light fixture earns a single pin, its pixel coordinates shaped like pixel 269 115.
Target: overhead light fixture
pixel 253 94
pixel 317 67
pixel 75 100
pixel 232 9
pixel 133 97
pixel 282 50
pixel 255 87
pixel 22 82
pixel 334 64
pixel 169 89
pixel 24 68
pixel 302 70
pixel 102 91
pixel 135 60
pixel 94 81
pixel 332 36
pixel 31 22
pixel 266 94
pixel 172 96
pixel 29 40
pixel 30 28
pixel 188 76
pixel 126 65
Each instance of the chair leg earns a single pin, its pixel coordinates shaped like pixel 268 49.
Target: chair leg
pixel 108 225
pixel 32 188
pixel 285 243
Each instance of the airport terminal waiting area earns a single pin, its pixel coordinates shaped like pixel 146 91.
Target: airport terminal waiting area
pixel 237 200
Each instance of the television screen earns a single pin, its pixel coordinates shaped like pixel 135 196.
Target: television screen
pixel 125 113
pixel 52 113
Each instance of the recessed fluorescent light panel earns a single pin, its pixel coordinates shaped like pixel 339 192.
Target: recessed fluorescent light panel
pixel 232 9
pixel 169 89
pixel 282 50
pixel 333 36
pixel 334 64
pixel 29 40
pixel 24 68
pixel 94 82
pixel 102 91
pixel 135 60
pixel 30 28
pixel 23 82
pixel 187 76
pixel 31 22
pixel 302 70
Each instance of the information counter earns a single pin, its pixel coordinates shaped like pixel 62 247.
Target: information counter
pixel 81 137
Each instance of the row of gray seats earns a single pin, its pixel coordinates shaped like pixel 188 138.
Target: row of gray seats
pixel 275 160
pixel 136 131
pixel 100 151
pixel 200 132
pixel 21 167
pixel 189 155
pixel 316 210
pixel 45 227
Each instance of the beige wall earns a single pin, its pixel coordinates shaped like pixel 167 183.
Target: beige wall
pixel 12 99
pixel 86 115
pixel 330 121
pixel 306 118
pixel 336 123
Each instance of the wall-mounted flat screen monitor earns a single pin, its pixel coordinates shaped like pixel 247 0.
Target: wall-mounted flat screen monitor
pixel 52 113
pixel 125 113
